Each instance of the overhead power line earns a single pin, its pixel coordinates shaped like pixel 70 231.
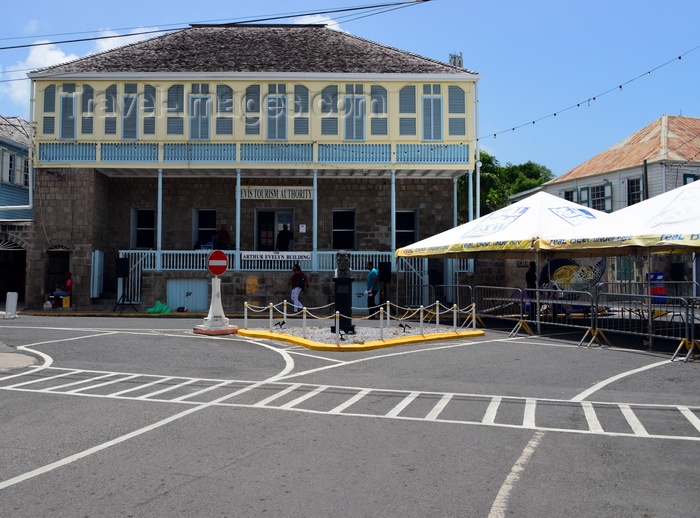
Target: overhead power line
pixel 593 98
pixel 246 21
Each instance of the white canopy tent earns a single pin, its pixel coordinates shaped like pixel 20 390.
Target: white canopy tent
pixel 667 223
pixel 511 232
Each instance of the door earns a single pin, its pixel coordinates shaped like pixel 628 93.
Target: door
pixel 269 223
pixel 266 231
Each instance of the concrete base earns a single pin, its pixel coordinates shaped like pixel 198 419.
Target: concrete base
pixel 228 330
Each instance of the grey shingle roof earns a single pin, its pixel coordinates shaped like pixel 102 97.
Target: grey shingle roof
pixel 256 48
pixel 15 129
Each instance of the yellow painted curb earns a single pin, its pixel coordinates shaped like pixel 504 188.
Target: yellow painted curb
pixel 356 347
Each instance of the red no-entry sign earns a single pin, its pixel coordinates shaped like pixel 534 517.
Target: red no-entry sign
pixel 217 263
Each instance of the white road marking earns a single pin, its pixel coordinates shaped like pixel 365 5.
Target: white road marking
pixel 106 383
pixel 529 417
pixel 633 420
pixel 303 398
pixel 500 504
pixel 490 415
pixel 289 366
pixel 350 402
pixel 39 380
pixel 690 416
pixel 591 417
pixel 595 388
pixel 435 412
pixel 278 395
pixel 394 412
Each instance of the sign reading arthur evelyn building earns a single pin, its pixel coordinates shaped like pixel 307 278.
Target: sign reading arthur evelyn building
pixel 271 192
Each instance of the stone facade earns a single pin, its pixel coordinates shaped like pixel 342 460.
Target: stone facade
pixel 97 216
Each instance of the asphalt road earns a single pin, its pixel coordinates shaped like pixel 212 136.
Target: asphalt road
pixel 141 417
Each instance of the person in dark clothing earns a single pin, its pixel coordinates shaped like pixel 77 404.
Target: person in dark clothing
pixel 284 237
pixel 531 280
pixel 222 239
pixel 531 283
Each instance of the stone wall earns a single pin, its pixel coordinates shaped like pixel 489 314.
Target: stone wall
pixel 82 210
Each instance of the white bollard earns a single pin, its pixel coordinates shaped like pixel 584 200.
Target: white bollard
pixel 11 305
pixel 216 322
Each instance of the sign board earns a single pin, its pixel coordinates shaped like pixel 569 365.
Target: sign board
pixel 217 263
pixel 274 192
pixel 271 256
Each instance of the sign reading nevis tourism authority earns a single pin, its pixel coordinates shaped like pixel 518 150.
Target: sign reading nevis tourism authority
pixel 272 192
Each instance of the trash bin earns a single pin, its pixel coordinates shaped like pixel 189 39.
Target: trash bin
pixel 656 287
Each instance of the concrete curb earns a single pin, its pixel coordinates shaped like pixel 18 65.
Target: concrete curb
pixel 357 347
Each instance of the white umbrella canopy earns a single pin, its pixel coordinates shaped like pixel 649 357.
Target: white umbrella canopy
pixel 510 232
pixel 667 223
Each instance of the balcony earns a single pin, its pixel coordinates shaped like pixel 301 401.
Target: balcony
pixel 231 155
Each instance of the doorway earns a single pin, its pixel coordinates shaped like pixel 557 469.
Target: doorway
pixel 268 224
pixel 13 272
pixel 57 265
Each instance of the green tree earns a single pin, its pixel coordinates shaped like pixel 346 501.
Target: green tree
pixel 498 183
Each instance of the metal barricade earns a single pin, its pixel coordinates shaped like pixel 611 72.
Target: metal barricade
pixel 459 294
pixel 644 315
pixel 499 302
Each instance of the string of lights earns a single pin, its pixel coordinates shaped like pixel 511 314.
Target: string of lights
pixel 588 101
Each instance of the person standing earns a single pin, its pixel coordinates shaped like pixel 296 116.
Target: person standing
pixel 531 283
pixel 222 239
pixel 284 237
pixel 372 288
pixel 531 279
pixel 298 282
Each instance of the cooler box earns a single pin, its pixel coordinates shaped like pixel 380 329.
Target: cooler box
pixel 657 287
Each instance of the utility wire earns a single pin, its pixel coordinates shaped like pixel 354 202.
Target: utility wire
pixel 253 20
pixel 593 98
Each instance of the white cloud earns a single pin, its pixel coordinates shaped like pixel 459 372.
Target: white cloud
pixel 319 19
pixel 16 90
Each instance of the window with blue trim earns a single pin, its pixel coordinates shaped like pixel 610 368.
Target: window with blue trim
pixel 199 117
pixel 130 117
pixel 301 110
pixel 87 107
pixel 276 111
pixel 378 110
pixel 329 110
pixel 407 106
pixel 252 110
pixel 354 112
pixel 149 110
pixel 68 115
pixel 432 113
pixel 276 117
pixel 224 110
pixel 49 122
pixel 176 106
pixel 457 108
pixel 111 110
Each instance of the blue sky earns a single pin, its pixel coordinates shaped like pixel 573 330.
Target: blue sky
pixel 535 58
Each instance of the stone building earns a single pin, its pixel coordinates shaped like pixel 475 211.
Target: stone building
pixel 15 207
pixel 143 152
